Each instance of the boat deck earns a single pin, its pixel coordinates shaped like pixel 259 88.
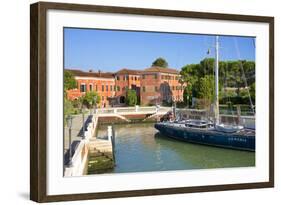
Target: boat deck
pixel 240 133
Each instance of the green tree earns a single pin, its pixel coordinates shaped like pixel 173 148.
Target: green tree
pixel 69 81
pixel 131 98
pixel 235 74
pixel 160 62
pixel 68 107
pixel 228 93
pixel 190 73
pixel 206 67
pixel 187 95
pixel 253 91
pixel 90 99
pixel 205 91
pixel 206 87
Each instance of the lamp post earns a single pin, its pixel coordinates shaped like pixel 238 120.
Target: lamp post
pixel 69 125
pixel 83 119
pixel 181 81
pixel 174 110
pixel 95 103
pixel 91 104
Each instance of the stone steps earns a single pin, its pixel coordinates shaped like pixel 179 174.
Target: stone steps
pixel 99 143
pixel 100 155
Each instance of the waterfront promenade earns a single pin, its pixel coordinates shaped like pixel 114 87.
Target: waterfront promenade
pixel 83 147
pixel 121 113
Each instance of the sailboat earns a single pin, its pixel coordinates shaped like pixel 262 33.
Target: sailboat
pixel 207 132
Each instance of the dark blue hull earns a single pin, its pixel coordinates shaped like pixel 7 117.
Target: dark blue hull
pixel 241 141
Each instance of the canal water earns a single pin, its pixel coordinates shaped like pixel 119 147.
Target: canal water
pixel 140 148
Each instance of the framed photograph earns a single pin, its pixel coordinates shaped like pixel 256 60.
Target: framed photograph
pixel 134 102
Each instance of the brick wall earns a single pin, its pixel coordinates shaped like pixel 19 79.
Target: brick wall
pixel 103 86
pixel 151 87
pixel 126 81
pixel 159 87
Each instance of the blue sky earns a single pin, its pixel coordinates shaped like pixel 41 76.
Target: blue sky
pixel 109 50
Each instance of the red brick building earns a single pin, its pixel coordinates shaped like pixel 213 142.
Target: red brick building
pixel 126 79
pixel 160 85
pixel 153 85
pixel 102 83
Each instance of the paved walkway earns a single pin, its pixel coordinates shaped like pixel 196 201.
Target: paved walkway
pixel 76 132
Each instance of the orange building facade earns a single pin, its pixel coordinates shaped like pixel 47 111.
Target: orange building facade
pixel 160 85
pixel 102 83
pixel 153 86
pixel 126 79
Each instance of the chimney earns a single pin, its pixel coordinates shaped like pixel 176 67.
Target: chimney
pixel 91 70
pixel 99 72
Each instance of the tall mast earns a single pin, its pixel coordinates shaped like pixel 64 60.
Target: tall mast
pixel 216 100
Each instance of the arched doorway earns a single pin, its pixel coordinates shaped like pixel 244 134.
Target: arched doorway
pixel 122 99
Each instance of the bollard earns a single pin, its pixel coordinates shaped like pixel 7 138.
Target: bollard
pixel 109 132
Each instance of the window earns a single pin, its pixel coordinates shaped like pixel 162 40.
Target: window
pixel 143 88
pixel 135 77
pixel 143 76
pixel 173 87
pixel 83 88
pixel 155 76
pixel 91 87
pixel 106 87
pixel 132 77
pixel 102 98
pixel 124 77
pixel 111 88
pixel 117 78
pixel 118 88
pixel 96 87
pixel 156 89
pixel 102 88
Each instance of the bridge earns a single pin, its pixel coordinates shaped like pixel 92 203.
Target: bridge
pixel 124 113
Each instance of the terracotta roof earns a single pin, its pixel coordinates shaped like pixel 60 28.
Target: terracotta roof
pixel 81 73
pixel 129 71
pixel 161 70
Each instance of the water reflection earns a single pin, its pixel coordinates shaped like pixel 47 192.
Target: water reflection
pixel 140 148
